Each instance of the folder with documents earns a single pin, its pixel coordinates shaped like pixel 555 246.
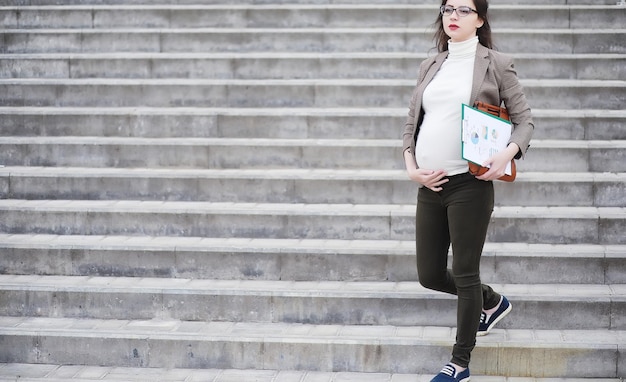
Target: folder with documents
pixel 483 135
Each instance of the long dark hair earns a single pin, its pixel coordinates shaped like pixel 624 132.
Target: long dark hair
pixel 484 32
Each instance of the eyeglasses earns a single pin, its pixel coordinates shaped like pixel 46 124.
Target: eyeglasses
pixel 448 10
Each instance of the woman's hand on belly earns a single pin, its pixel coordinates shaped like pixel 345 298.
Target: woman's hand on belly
pixel 432 179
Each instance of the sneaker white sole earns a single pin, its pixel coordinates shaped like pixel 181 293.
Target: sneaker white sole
pixel 504 314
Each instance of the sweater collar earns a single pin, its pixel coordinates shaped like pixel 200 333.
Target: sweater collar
pixel 463 50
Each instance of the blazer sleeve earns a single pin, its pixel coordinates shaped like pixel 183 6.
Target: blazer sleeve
pixel 512 94
pixel 412 120
pixel 408 136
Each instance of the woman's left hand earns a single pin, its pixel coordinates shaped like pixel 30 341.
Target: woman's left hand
pixel 498 162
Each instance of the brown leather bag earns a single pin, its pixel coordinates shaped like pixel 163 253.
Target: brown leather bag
pixel 502 113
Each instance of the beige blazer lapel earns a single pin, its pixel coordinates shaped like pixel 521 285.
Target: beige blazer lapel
pixel 480 70
pixel 430 74
pixel 434 68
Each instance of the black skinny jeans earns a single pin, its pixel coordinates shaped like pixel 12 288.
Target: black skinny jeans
pixel 457 215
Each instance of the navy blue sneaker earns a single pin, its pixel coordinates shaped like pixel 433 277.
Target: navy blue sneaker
pixel 488 321
pixel 449 374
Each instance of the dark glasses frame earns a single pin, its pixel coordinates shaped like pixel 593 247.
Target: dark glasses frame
pixel 462 11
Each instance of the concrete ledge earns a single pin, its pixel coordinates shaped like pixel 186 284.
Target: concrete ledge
pixel 550 225
pixel 554 94
pixel 304 2
pixel 289 185
pixel 538 40
pixel 538 306
pixel 172 344
pixel 296 15
pixel 9 372
pixel 342 123
pixel 285 65
pixel 298 260
pixel 248 153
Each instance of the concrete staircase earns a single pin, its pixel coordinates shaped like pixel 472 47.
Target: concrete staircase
pixel 205 191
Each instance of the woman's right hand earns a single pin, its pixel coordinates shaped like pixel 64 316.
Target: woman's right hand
pixel 432 179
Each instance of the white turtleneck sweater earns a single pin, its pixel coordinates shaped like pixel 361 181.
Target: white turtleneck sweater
pixel 438 143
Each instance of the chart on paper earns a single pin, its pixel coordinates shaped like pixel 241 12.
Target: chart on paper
pixel 483 135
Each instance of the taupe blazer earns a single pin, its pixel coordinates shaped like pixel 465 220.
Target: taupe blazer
pixel 495 82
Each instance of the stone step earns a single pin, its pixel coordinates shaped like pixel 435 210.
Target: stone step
pixel 586 94
pixel 290 2
pixel 384 186
pixel 236 153
pixel 286 65
pixel 283 65
pixel 285 346
pixel 571 307
pixel 10 372
pixel 514 40
pixel 295 259
pixel 284 123
pixel 549 225
pixel 298 15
